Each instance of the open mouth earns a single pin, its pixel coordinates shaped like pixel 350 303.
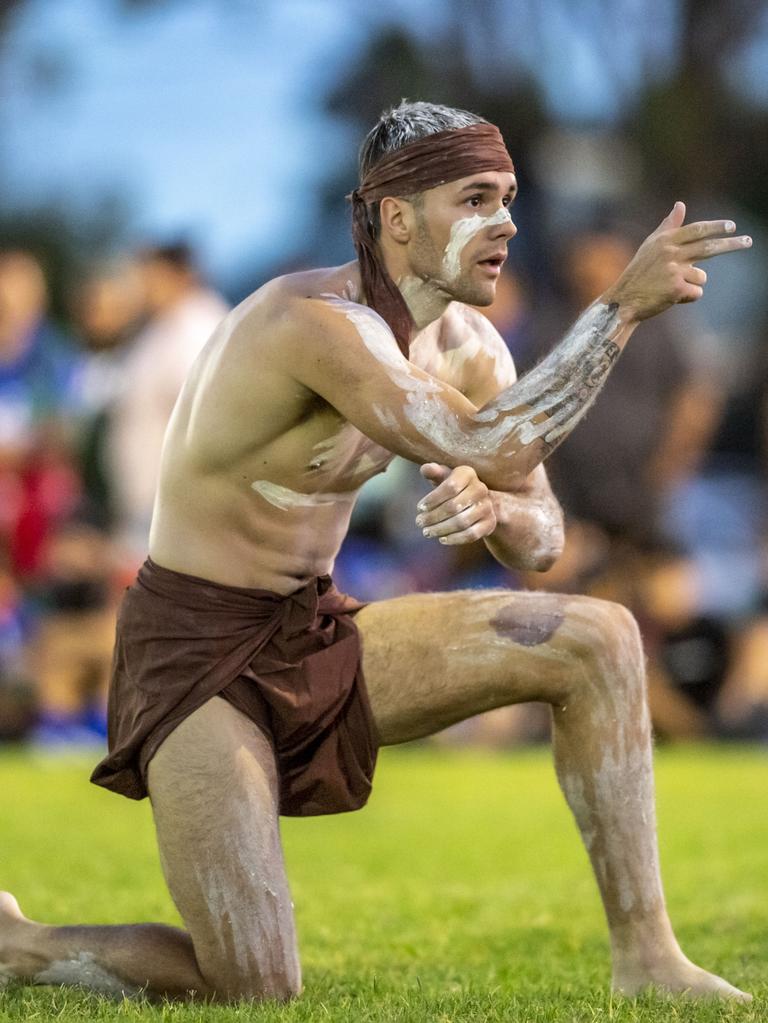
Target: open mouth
pixel 493 262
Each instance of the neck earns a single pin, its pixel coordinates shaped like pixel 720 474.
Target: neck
pixel 426 299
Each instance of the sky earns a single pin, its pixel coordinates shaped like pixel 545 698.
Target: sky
pixel 204 120
pixel 207 114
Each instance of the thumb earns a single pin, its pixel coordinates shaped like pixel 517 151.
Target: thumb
pixel 434 472
pixel 674 218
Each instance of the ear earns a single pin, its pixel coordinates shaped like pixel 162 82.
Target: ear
pixel 396 217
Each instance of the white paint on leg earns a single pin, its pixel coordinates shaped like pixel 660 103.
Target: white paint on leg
pixel 83 970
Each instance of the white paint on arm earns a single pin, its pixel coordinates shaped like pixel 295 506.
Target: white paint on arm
pixel 377 337
pixel 550 400
pixel 542 407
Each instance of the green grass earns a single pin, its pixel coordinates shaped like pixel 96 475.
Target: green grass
pixel 460 894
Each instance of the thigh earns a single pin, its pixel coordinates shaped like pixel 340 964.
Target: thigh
pixel 432 659
pixel 213 788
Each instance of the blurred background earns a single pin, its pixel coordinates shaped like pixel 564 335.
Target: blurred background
pixel 161 159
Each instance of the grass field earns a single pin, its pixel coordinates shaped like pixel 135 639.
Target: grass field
pixel 461 893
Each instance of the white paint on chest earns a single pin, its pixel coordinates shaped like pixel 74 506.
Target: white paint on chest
pixel 286 499
pixel 85 971
pixel 462 232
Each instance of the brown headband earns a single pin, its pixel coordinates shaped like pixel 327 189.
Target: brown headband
pixel 426 163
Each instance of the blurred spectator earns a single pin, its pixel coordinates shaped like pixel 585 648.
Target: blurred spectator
pixel 38 373
pixel 652 419
pixel 512 315
pixel 71 652
pixel 718 518
pixel 645 433
pixel 108 312
pixel 39 484
pixel 182 313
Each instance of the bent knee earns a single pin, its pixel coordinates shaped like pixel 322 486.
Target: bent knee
pixel 606 636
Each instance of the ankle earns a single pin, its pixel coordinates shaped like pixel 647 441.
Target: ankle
pixel 644 942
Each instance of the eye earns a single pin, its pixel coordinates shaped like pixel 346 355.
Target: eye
pixel 475 201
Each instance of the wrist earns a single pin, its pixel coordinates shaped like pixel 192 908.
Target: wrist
pixel 627 309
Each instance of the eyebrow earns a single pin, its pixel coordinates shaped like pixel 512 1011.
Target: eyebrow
pixel 484 186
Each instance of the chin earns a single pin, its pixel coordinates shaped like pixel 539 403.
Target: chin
pixel 471 293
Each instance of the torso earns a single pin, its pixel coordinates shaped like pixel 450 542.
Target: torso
pixel 259 475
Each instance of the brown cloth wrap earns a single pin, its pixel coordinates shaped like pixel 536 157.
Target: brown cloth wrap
pixel 426 163
pixel 291 664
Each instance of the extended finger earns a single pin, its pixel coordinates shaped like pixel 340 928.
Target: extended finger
pixel 707 247
pixel 673 219
pixel 703 229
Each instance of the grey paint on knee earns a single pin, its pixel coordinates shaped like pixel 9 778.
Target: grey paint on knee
pixel 528 626
pixel 84 971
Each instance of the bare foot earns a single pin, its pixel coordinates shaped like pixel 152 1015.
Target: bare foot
pixel 14 927
pixel 679 977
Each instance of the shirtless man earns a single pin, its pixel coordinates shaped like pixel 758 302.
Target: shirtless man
pixel 301 395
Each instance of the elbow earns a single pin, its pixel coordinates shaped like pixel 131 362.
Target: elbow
pixel 544 555
pixel 544 560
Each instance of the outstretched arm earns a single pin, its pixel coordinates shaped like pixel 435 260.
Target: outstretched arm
pixel 348 355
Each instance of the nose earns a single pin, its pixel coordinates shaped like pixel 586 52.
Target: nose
pixel 506 228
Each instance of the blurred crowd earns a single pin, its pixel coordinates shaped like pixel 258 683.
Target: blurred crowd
pixel 82 417
pixel 663 487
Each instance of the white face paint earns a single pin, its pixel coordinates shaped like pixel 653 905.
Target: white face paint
pixel 285 499
pixel 85 971
pixel 462 232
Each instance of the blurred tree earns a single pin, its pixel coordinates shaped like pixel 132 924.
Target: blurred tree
pixel 66 240
pixel 668 83
pixel 699 137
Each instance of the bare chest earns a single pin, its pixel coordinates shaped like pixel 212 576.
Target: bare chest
pixel 338 457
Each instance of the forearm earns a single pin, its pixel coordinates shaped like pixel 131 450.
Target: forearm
pixel 529 531
pixel 522 425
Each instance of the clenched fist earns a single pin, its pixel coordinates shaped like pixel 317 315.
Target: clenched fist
pixel 460 508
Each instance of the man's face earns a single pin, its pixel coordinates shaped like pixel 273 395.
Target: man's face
pixel 462 230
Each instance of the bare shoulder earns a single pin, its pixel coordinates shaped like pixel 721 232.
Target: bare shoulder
pixel 317 310
pixel 476 352
pixel 464 324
